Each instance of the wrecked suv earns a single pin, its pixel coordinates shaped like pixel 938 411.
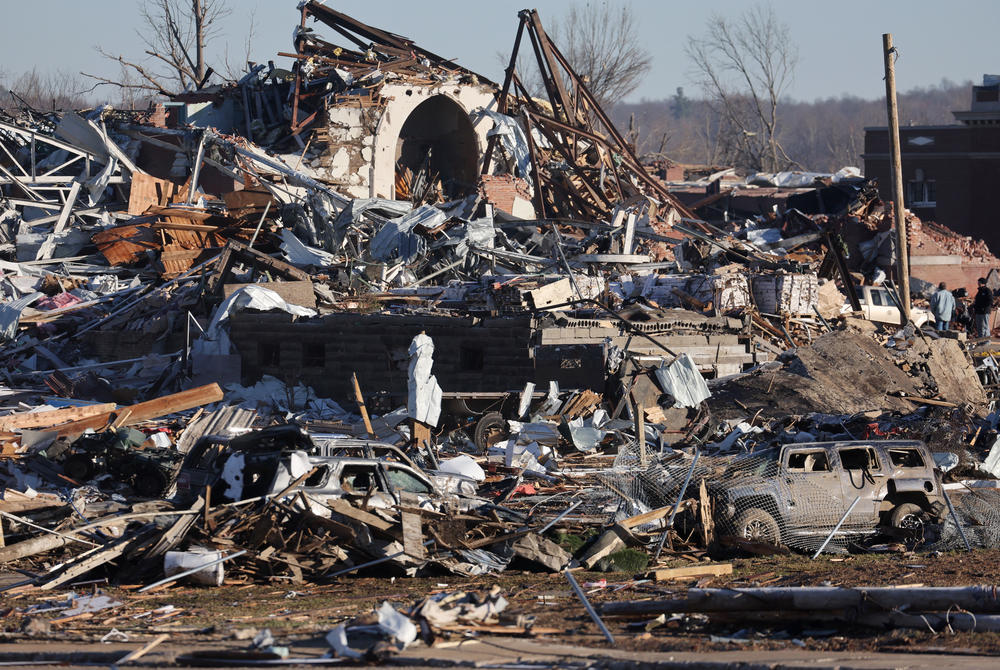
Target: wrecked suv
pixel 801 490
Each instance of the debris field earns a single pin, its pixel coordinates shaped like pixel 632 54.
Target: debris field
pixel 359 361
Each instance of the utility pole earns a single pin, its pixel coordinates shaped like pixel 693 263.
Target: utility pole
pixel 895 164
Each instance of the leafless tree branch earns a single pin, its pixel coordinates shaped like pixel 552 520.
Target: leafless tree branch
pixel 744 65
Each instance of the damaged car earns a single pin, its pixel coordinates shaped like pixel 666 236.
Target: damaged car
pixel 784 494
pixel 265 462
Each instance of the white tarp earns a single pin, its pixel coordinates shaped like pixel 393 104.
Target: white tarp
pixel 215 341
pixel 512 137
pixel 423 402
pixel 682 380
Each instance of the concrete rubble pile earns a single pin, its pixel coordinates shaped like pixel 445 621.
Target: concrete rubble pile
pixel 378 314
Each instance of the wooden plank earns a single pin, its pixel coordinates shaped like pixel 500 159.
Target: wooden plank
pixel 151 409
pixel 413 537
pixel 52 417
pixel 705 515
pixel 645 517
pixel 344 508
pixel 707 570
pixel 146 191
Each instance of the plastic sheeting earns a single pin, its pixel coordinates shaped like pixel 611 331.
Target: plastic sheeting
pixel 424 399
pixel 215 341
pixel 682 380
pixel 512 137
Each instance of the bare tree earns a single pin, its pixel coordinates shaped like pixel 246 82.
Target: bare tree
pixel 599 41
pixel 176 34
pixel 44 91
pixel 744 66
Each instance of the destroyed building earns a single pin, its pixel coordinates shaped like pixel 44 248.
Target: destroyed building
pixel 377 315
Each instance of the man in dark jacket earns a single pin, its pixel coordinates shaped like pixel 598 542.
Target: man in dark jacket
pixel 981 307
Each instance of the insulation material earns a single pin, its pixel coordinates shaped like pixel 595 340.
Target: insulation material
pixel 726 292
pixel 786 293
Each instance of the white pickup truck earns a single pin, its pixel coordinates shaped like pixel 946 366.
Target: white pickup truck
pixel 877 305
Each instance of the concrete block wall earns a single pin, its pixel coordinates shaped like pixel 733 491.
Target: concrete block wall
pixel 491 355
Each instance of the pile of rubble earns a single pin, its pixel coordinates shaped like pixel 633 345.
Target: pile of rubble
pixel 308 330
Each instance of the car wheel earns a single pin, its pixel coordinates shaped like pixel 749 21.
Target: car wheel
pixel 907 516
pixel 490 429
pixel 758 525
pixel 79 468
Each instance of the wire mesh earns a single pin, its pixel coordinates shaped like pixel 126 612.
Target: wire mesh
pixel 978 513
pixel 752 499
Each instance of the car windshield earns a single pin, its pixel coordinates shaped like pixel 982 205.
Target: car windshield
pixel 762 463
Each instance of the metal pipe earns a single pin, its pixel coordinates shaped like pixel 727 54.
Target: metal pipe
pixel 560 517
pixel 590 608
pixel 369 564
pixel 836 528
pixel 677 505
pixel 954 517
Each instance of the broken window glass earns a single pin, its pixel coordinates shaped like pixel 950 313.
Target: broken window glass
pixel 809 461
pixel 906 458
pixel 862 458
pixel 402 480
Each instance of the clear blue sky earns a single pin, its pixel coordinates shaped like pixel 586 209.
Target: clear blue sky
pixel 839 43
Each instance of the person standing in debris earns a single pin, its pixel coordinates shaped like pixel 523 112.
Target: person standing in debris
pixel 982 304
pixel 943 306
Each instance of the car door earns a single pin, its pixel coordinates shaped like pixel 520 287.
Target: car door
pixel 884 306
pixel 812 487
pixel 862 473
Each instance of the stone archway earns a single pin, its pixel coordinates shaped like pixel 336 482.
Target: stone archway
pixel 438 139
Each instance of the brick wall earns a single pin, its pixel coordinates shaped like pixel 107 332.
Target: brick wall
pixel 502 190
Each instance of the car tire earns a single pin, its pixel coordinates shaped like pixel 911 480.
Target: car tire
pixel 908 516
pixel 79 468
pixel 758 525
pixel 490 429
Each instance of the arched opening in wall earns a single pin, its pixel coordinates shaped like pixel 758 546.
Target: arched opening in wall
pixel 436 153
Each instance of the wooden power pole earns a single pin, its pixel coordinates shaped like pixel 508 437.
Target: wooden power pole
pixel 895 164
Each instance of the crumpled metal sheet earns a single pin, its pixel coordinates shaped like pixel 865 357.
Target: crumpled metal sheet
pixel 682 380
pixel 299 254
pixel 10 314
pixel 396 238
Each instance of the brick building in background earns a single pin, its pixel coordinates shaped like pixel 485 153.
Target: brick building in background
pixel 951 173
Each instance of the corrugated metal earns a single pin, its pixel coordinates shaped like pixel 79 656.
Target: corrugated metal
pixel 219 422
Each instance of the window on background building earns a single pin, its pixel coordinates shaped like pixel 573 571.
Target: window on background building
pixel 921 192
pixel 268 354
pixel 314 355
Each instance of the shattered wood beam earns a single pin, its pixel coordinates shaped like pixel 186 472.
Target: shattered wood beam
pixel 502 100
pixel 151 409
pixel 238 251
pixel 23 420
pixel 333 18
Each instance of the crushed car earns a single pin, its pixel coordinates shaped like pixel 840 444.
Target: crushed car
pixel 265 462
pixel 784 494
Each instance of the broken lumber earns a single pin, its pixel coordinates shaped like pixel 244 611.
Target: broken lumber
pixel 151 409
pixel 53 417
pixel 709 570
